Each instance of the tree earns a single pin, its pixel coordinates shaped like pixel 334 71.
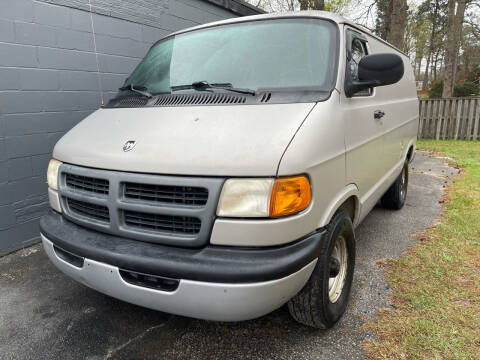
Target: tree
pixel 391 21
pixel 312 4
pixel 454 33
pixel 434 22
pixel 398 22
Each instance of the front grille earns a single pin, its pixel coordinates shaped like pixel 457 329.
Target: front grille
pixel 93 211
pixel 156 222
pixel 164 209
pixel 184 195
pixel 87 183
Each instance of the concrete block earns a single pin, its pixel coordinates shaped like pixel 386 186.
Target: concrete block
pixel 71 100
pixel 79 80
pixel 7 217
pixel 175 23
pixel 111 82
pixel 76 40
pixel 117 64
pixel 32 123
pixel 35 34
pixel 80 20
pixel 18 236
pixel 19 168
pixel 16 10
pixel 105 25
pixel 3 151
pixel 39 79
pixel 151 34
pixel 3 172
pixel 27 145
pixel 107 44
pixel 9 79
pixel 53 15
pixel 21 102
pixel 27 188
pixel 17 55
pixel 7 33
pixel 66 59
pixel 40 164
pixel 31 208
pixel 185 11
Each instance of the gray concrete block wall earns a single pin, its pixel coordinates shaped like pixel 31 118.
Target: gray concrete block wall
pixel 50 80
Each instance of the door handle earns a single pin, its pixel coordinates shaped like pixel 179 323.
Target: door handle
pixel 378 114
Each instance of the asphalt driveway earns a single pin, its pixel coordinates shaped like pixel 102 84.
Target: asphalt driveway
pixel 44 314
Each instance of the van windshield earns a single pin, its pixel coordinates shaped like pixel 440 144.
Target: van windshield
pixel 269 54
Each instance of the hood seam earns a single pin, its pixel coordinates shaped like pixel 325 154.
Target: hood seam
pixel 293 137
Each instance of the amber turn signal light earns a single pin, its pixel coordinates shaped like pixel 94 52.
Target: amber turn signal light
pixel 290 195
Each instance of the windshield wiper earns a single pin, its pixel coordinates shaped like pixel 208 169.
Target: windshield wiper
pixel 142 90
pixel 204 85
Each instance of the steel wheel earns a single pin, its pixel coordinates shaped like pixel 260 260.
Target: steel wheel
pixel 403 184
pixel 338 268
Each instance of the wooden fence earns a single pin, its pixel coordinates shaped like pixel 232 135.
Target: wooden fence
pixel 452 118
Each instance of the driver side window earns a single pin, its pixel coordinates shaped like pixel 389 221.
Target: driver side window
pixel 359 50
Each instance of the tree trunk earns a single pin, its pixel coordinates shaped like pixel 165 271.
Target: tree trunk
pixel 387 21
pixel 419 65
pixel 425 76
pixel 398 23
pixel 435 66
pixel 431 44
pixel 312 4
pixel 459 16
pixel 454 32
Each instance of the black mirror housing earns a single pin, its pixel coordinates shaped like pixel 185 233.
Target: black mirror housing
pixel 376 70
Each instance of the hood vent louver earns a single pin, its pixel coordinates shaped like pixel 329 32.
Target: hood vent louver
pixel 130 101
pixel 196 99
pixel 266 97
pixel 199 99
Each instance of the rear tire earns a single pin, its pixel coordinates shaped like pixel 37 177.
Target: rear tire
pixel 396 195
pixel 323 300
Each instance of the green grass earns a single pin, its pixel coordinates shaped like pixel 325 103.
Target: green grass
pixel 436 285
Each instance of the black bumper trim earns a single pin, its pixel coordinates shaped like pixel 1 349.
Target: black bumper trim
pixel 210 263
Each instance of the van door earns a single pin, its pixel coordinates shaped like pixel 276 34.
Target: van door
pixel 365 157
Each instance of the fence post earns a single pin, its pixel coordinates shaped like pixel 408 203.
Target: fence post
pixel 477 120
pixel 457 118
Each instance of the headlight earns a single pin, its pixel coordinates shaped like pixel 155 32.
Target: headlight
pixel 264 197
pixel 52 173
pixel 245 198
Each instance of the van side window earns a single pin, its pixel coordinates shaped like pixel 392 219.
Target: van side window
pixel 358 51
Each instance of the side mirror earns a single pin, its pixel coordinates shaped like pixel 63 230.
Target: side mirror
pixel 375 70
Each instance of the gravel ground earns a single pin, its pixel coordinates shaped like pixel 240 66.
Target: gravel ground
pixel 44 314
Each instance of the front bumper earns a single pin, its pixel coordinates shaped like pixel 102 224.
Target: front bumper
pixel 214 283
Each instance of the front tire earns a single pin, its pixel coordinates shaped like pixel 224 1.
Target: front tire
pixel 323 300
pixel 396 195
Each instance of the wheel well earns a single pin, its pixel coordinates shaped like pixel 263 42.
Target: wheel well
pixel 410 153
pixel 350 206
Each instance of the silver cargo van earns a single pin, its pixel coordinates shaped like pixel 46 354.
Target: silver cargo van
pixel 226 177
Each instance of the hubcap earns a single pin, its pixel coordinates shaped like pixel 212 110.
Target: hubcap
pixel 338 266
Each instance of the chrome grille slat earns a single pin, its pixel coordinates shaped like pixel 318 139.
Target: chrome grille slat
pixel 172 210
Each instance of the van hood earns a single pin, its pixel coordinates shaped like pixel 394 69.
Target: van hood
pixel 242 140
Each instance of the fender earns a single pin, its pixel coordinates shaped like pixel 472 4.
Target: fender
pixel 411 143
pixel 348 191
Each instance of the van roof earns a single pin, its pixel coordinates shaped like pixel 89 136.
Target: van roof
pixel 289 14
